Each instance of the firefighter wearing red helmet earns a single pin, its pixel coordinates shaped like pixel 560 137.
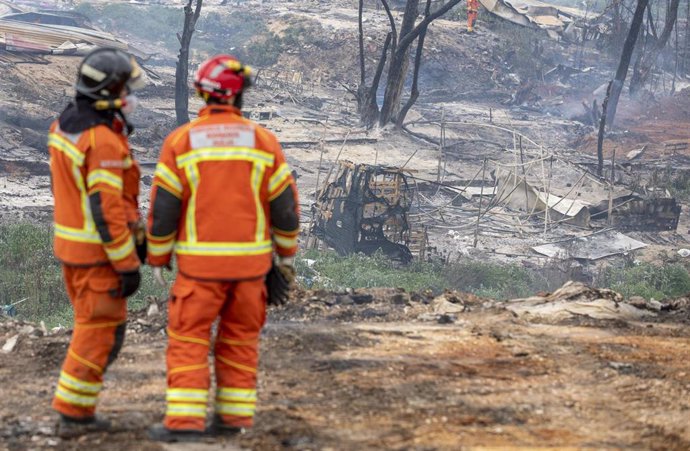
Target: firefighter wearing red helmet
pixel 225 203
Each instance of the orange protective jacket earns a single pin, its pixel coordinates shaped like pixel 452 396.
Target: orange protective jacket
pixel 95 183
pixel 473 5
pixel 223 199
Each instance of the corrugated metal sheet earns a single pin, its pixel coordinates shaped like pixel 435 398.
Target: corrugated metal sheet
pixel 43 38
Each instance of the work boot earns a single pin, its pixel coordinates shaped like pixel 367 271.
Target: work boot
pixel 218 428
pixel 70 427
pixel 159 433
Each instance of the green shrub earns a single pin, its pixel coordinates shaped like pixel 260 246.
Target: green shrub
pixel 647 280
pixel 30 272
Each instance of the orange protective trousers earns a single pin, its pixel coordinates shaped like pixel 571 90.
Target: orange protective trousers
pixel 193 307
pixel 99 328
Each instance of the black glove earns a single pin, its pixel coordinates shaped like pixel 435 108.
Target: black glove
pixel 129 283
pixel 278 286
pixel 141 251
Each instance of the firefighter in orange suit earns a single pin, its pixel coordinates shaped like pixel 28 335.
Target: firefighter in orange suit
pixel 472 13
pixel 99 237
pixel 225 202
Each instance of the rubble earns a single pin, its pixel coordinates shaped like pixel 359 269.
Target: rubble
pixel 576 299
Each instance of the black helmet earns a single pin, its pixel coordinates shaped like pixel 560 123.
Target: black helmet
pixel 105 72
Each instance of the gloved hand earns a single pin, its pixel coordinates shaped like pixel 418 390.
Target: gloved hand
pixel 129 284
pixel 139 233
pixel 279 280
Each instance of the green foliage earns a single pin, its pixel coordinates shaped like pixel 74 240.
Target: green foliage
pixel 493 280
pixel 332 271
pixel 647 280
pixel 28 270
pixel 676 182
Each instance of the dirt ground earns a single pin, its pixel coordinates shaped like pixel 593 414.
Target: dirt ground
pixel 354 373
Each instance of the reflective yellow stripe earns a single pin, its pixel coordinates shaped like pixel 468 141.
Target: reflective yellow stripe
pixel 70 150
pixel 74 398
pixel 103 176
pixel 237 409
pixel 187 394
pixel 168 176
pixel 285 242
pixel 238 342
pixel 244 395
pixel 223 249
pixel 279 177
pixel 239 366
pixel 186 410
pixel 183 369
pixel 83 361
pixel 158 249
pixel 257 178
pixel 127 163
pixel 73 383
pixel 193 177
pixel 118 253
pixel 200 341
pixel 255 156
pixel 80 235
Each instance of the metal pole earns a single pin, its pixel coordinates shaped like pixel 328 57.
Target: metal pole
pixel 479 210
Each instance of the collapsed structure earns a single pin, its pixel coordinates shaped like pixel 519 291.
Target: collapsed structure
pixel 365 209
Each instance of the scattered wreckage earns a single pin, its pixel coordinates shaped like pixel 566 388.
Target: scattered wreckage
pixel 55 33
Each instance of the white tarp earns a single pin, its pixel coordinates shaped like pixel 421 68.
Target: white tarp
pixel 592 247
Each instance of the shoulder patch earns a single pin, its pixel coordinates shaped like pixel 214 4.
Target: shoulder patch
pixel 222 136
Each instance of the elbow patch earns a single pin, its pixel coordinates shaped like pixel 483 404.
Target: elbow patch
pixel 284 211
pixel 166 213
pixel 99 217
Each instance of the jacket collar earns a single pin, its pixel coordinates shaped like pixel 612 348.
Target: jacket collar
pixel 215 108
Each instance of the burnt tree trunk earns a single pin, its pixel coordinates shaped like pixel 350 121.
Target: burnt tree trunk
pixel 182 67
pixel 616 85
pixel 643 70
pixel 399 64
pixel 414 93
pixel 397 71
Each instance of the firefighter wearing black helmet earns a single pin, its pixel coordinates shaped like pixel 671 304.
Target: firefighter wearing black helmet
pixel 98 234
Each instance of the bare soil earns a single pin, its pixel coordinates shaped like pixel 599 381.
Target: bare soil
pixel 373 375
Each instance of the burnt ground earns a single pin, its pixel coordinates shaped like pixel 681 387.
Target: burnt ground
pixel 353 373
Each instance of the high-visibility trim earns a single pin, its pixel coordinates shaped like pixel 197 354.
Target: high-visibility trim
pixel 195 395
pixel 72 383
pixel 237 409
pixel 196 156
pixel 80 235
pixel 177 337
pixel 279 177
pixel 120 252
pixel 192 173
pixel 257 178
pixel 184 369
pixel 60 143
pixel 127 163
pixel 238 342
pixel 186 410
pixel 84 362
pixel 104 176
pixel 76 399
pixel 285 241
pixel 243 395
pixel 239 366
pixel 98 325
pixel 159 249
pixel 223 248
pixel 169 177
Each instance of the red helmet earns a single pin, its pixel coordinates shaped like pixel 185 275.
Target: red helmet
pixel 222 77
